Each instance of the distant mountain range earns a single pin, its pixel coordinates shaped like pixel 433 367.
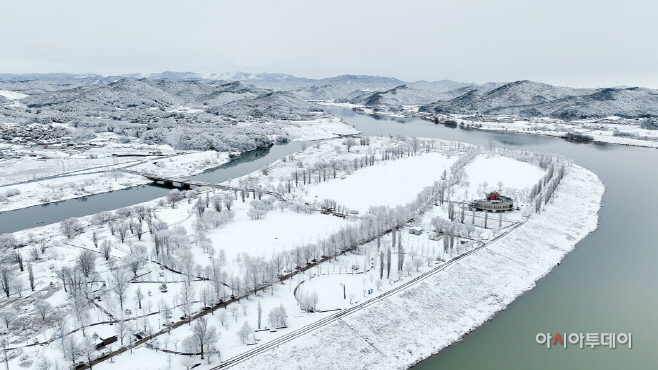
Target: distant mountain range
pixel 524 98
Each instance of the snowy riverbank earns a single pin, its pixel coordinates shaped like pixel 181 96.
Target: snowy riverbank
pixel 610 130
pixel 409 326
pixel 76 186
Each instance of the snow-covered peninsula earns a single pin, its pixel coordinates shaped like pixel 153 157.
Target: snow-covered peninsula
pixel 410 325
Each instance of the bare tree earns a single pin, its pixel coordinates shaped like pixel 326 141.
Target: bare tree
pixel 417 263
pixel 30 275
pixel 349 143
pixel 17 285
pixel 61 325
pixel 6 279
pixel 278 317
pixel 388 263
pixel 173 197
pixel 228 202
pixel 7 316
pixel 408 267
pixel 134 261
pixel 260 313
pixel 8 241
pixel 88 349
pixel 71 227
pixel 106 249
pixel 43 308
pixel 216 202
pixel 120 281
pixel 18 257
pixel 71 349
pixel 187 297
pixel 121 329
pixel 203 334
pixel 34 253
pixel 86 262
pixel 139 296
pixel 244 332
pixel 137 228
pixel 81 311
pixel 122 229
pixel 43 364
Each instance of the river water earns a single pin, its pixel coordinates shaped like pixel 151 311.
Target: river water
pixel 606 285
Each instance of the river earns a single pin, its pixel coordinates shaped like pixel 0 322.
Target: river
pixel 24 218
pixel 606 285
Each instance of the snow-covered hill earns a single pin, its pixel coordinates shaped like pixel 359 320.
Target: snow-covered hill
pixel 527 98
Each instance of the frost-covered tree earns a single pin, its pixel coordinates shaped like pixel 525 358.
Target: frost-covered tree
pixel 278 317
pixel 203 334
pixel 43 309
pixel 71 227
pixel 72 349
pixel 30 275
pixel 120 282
pixel 86 262
pixel 8 315
pixel 106 249
pixel 244 332
pixel 349 143
pixel 6 279
pixel 174 197
pixel 260 314
pixel 8 241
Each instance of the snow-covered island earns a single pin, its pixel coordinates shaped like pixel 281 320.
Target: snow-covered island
pixel 308 260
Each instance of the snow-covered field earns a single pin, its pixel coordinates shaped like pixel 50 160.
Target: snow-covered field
pixel 404 328
pixel 390 184
pixel 12 95
pixel 487 173
pixel 319 129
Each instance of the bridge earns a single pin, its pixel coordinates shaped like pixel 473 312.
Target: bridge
pixel 187 184
pixel 181 182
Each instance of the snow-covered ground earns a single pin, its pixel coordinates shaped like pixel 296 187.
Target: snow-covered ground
pixel 489 173
pixel 12 95
pixel 404 328
pixel 58 167
pixel 389 184
pixel 318 129
pixel 244 250
pixel 104 179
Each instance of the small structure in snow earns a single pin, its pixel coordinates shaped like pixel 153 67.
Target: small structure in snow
pixel 415 230
pixel 494 203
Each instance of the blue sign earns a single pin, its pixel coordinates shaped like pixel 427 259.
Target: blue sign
pixel 369 291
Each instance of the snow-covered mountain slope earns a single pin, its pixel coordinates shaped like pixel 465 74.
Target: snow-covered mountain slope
pixel 529 98
pixel 399 95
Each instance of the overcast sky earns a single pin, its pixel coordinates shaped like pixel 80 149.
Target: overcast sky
pixel 564 42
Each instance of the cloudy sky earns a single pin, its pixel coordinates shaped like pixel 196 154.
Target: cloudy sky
pixel 565 42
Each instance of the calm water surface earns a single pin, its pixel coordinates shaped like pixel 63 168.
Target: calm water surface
pixel 606 285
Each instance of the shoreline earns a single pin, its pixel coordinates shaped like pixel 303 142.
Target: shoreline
pixel 414 324
pixel 507 128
